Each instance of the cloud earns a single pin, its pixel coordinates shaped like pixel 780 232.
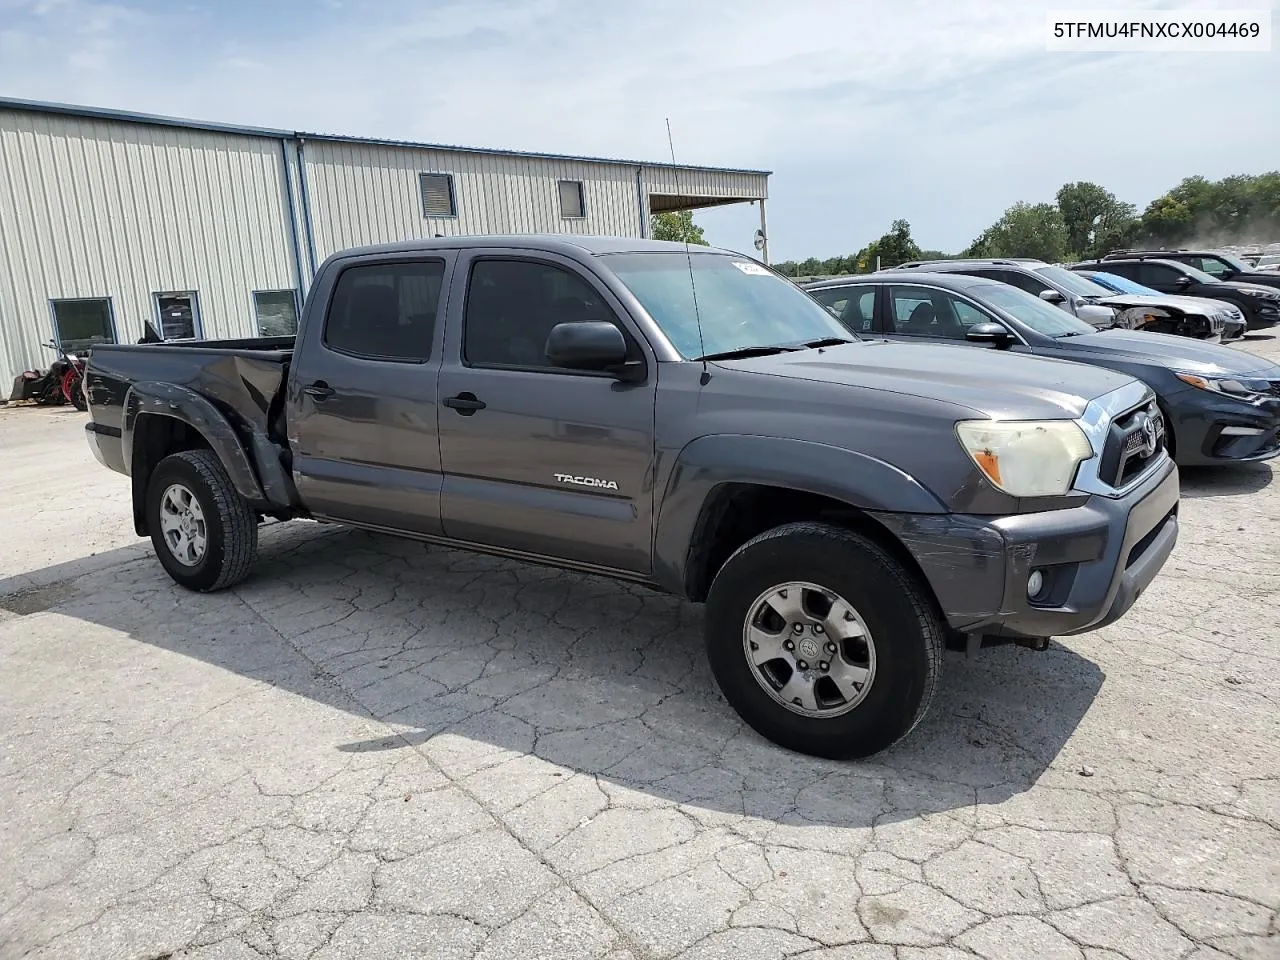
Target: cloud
pixel 942 112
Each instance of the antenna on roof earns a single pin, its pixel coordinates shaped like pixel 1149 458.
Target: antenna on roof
pixel 693 286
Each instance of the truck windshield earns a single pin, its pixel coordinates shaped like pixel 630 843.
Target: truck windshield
pixel 740 303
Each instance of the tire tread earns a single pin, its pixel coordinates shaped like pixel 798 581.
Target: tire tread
pixel 239 525
pixel 925 608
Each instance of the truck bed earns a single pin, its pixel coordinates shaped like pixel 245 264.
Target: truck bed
pixel 244 378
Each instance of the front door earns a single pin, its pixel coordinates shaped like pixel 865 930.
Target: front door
pixel 537 458
pixel 362 396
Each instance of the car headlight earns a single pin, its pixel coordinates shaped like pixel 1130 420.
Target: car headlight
pixel 1242 388
pixel 1026 458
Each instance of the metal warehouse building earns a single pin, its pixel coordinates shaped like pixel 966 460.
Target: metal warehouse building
pixel 109 219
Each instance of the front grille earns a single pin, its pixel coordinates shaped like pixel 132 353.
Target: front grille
pixel 1134 441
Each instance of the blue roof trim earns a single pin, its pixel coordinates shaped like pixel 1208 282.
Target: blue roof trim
pixel 129 116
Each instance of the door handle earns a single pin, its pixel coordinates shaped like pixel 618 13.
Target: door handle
pixel 465 403
pixel 318 390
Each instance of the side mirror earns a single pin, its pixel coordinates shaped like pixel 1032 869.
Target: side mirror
pixel 587 345
pixel 1051 296
pixel 992 333
pixel 1183 282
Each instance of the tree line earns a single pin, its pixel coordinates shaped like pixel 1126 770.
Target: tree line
pixel 1085 221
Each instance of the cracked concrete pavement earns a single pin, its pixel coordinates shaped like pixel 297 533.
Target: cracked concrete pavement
pixel 375 748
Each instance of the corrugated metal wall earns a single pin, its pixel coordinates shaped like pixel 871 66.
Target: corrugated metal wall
pixel 368 193
pixel 100 207
pixel 706 183
pixel 95 208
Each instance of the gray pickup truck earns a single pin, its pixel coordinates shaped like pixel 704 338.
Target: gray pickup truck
pixel 686 420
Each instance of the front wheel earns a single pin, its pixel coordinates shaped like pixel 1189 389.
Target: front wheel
pixel 203 531
pixel 822 641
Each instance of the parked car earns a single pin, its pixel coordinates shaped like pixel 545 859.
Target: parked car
pixel 1260 304
pixel 1216 263
pixel 1233 321
pixel 843 508
pixel 1268 263
pixel 1220 405
pixel 1083 298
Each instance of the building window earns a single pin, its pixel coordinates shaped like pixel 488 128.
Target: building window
pixel 276 312
pixel 437 195
pixel 572 204
pixel 80 324
pixel 179 315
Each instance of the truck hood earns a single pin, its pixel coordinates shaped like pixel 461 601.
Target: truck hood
pixel 1174 352
pixel 999 384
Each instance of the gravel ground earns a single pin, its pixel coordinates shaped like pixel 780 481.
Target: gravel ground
pixel 375 748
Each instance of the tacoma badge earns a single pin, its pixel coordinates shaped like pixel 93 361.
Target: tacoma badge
pixel 587 481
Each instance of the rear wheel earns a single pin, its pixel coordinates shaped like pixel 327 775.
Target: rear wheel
pixel 73 389
pixel 822 641
pixel 204 533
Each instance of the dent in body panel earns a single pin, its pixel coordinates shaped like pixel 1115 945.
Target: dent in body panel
pixel 185 405
pixel 963 558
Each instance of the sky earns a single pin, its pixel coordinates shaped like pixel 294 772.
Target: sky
pixel 942 112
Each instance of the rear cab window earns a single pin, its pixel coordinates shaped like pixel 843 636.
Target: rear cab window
pixel 385 311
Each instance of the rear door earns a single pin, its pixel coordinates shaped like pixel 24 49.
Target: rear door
pixel 854 305
pixel 363 394
pixel 1159 276
pixel 536 458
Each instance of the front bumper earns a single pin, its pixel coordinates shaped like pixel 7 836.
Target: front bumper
pixel 1096 559
pixel 1266 314
pixel 1212 429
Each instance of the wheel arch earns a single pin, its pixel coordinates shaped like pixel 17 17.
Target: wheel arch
pixel 162 419
pixel 724 490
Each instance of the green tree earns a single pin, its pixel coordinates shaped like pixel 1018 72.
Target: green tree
pixel 1095 220
pixel 677 226
pixel 893 248
pixel 1025 230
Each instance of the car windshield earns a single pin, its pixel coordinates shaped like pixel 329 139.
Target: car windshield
pixel 1236 263
pixel 740 304
pixel 1041 317
pixel 1122 284
pixel 1072 282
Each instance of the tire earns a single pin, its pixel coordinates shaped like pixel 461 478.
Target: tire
pixel 73 390
pixel 227 524
pixel 904 650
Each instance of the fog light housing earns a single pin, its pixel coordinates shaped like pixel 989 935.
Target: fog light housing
pixel 1035 583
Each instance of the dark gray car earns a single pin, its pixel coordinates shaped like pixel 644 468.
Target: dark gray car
pixel 1220 405
pixel 688 421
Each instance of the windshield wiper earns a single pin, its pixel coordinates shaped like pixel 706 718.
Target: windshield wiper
pixel 827 342
pixel 744 352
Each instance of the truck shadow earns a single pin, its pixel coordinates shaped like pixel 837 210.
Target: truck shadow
pixel 473 660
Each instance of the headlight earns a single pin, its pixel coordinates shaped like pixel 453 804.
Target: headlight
pixel 1026 458
pixel 1240 388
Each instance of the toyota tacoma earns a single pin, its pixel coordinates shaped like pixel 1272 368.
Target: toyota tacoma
pixel 687 420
